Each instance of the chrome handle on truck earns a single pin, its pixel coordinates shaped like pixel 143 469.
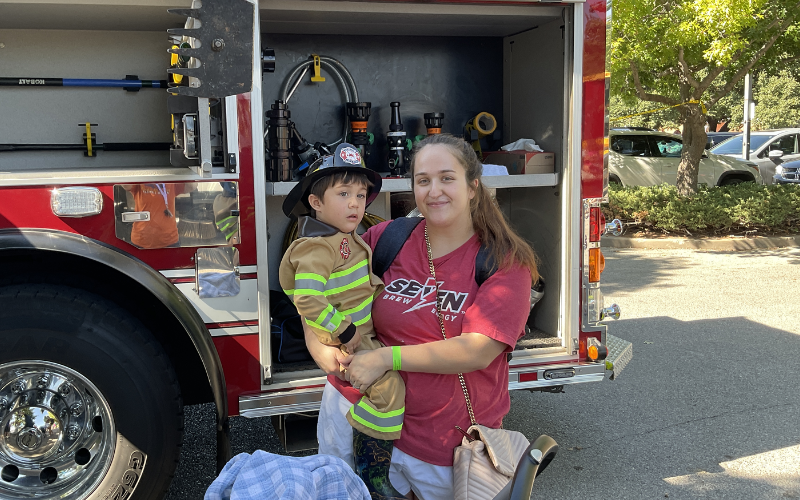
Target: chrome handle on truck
pixel 612 311
pixel 614 227
pixel 135 216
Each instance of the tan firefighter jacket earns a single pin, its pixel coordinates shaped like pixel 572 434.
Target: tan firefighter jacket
pixel 328 276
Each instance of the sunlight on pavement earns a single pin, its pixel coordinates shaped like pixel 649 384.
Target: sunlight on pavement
pixel 778 468
pixel 759 285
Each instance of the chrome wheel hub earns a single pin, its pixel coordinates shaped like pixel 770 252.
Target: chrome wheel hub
pixel 57 435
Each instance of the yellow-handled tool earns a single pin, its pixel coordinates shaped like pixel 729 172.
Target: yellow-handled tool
pixel 479 126
pixel 317 76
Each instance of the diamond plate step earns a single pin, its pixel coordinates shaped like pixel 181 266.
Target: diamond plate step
pixel 620 353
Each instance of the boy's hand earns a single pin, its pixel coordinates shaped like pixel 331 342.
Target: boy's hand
pixel 352 345
pixel 328 358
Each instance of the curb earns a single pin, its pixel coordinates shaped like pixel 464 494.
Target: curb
pixel 719 244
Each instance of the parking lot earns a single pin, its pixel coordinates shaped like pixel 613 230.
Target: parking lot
pixel 708 407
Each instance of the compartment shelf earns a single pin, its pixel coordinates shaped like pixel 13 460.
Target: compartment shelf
pixel 399 185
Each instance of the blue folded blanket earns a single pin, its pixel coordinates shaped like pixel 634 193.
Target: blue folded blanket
pixel 263 476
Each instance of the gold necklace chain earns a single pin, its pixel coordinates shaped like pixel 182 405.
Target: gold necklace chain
pixel 441 324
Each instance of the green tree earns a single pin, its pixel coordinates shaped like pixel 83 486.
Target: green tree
pixel 692 53
pixel 777 101
pixel 628 111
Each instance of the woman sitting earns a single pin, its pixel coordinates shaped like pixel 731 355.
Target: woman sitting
pixel 482 324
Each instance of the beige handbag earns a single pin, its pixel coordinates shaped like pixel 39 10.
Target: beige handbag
pixel 485 462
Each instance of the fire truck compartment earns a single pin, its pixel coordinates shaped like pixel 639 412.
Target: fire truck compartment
pixel 518 73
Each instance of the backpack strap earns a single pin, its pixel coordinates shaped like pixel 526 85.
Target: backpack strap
pixel 390 242
pixel 484 265
pixel 395 236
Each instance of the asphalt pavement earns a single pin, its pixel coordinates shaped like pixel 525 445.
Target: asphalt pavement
pixel 707 408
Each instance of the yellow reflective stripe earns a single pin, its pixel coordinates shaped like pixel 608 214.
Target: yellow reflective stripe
pixel 329 320
pixel 378 414
pixel 373 426
pixel 227 218
pixel 359 307
pixel 311 323
pixel 317 325
pixel 348 276
pixel 337 319
pixel 324 314
pixel 344 288
pixel 362 320
pixel 310 276
pixel 303 291
pixel 361 313
pixel 353 269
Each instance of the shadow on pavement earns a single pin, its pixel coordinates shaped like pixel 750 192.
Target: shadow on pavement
pixel 650 269
pixel 196 469
pixel 696 395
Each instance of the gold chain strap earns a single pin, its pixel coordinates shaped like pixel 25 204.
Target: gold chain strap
pixel 441 324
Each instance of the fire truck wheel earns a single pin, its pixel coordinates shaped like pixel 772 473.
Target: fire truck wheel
pixel 90 407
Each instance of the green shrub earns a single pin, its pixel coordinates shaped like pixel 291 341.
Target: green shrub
pixel 713 210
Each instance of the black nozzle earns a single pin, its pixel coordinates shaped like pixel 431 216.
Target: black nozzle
pixel 358 111
pixel 396 124
pixel 279 142
pixel 433 120
pixel 278 110
pixel 300 146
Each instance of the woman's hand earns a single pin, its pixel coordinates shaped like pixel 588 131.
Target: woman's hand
pixel 365 367
pixel 328 358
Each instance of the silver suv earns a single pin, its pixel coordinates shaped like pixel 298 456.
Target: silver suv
pixel 646 158
pixel 768 148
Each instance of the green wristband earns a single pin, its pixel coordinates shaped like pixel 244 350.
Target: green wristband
pixel 396 358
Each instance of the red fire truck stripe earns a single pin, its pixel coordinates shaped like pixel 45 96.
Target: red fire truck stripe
pixel 232 324
pixel 181 280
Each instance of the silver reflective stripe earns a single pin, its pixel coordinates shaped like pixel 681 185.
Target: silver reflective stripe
pixel 347 279
pixel 380 423
pixel 309 285
pixel 362 314
pixel 326 321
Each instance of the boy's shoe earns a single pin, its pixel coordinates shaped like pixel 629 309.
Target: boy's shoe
pixel 372 458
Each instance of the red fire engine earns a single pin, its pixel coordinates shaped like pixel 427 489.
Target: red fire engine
pixel 138 248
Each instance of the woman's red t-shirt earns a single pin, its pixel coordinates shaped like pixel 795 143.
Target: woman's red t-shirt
pixel 405 314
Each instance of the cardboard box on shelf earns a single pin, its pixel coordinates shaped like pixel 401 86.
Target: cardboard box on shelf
pixel 522 162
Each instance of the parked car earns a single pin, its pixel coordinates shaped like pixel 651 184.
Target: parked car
pixel 761 144
pixel 787 173
pixel 715 138
pixel 640 158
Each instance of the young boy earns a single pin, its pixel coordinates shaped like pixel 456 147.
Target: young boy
pixel 327 272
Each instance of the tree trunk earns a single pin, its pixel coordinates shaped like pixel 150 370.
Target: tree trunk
pixel 694 145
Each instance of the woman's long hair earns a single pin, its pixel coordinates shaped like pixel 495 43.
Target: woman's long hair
pixel 506 245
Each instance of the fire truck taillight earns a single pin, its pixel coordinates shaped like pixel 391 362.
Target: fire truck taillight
pixel 597 224
pixel 529 377
pixel 597 263
pixel 76 201
pixel 593 263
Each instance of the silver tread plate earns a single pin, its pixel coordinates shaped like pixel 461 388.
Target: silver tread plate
pixel 620 353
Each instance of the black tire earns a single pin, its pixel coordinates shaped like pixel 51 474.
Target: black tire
pixel 44 325
pixel 732 181
pixel 613 179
